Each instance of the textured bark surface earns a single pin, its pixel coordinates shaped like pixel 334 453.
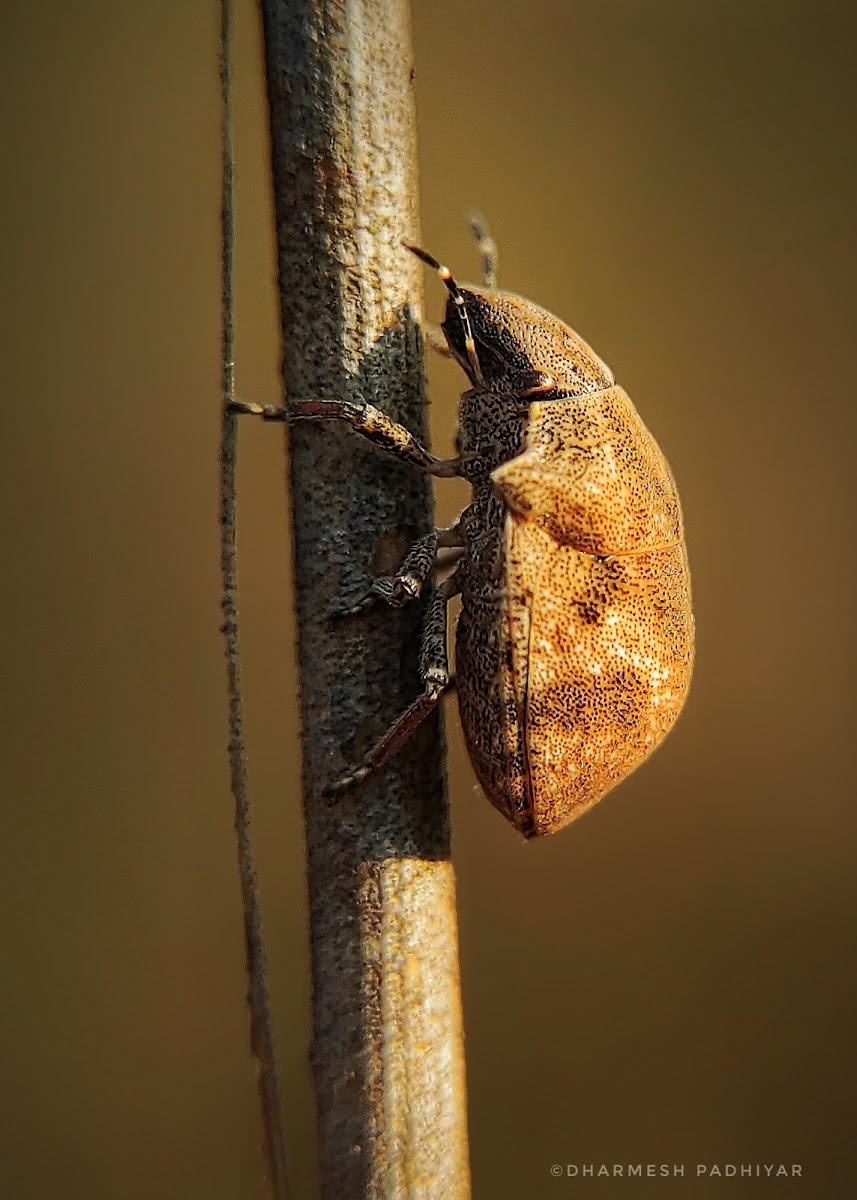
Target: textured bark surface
pixel 387 1046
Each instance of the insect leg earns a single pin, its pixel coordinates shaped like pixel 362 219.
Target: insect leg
pixel 434 338
pixel 364 419
pixel 407 583
pixel 434 672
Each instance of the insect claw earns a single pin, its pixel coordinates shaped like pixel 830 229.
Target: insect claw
pixel 437 681
pixel 345 782
pixel 424 256
pixel 243 407
pixel 405 589
pixel 268 412
pixel 364 604
pixel 394 591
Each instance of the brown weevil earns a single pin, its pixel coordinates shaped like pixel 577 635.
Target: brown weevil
pixel 574 645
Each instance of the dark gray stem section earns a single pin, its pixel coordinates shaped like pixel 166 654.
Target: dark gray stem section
pixel 387 1048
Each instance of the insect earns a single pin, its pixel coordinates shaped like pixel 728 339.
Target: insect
pixel 574 645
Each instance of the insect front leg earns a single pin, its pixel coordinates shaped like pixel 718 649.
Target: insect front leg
pixel 434 672
pixel 364 419
pixel 434 338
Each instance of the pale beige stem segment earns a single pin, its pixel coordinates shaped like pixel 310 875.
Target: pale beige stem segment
pixel 387 1049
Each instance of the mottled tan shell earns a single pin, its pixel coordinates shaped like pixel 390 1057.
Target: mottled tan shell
pixel 576 663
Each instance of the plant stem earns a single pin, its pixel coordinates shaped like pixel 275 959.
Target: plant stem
pixel 262 1046
pixel 387 1049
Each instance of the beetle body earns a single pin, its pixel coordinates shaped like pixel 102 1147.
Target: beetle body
pixel 574 645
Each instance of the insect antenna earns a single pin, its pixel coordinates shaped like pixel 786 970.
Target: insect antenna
pixel 458 298
pixel 487 248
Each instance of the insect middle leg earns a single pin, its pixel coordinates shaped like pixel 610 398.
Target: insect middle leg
pixel 408 582
pixel 364 419
pixel 434 672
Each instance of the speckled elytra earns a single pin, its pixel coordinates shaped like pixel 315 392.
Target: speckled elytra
pixel 574 646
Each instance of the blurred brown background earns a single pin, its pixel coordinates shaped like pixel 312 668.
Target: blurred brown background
pixel 673 979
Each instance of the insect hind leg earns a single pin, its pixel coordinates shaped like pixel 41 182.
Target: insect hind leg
pixel 434 672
